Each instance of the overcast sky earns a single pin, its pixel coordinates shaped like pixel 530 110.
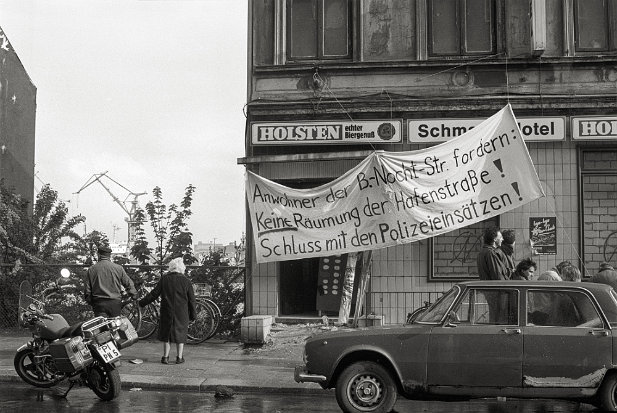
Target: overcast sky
pixel 151 91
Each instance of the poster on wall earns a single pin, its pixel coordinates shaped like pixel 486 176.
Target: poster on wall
pixel 543 235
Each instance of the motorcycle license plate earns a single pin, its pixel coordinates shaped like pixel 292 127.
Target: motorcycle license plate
pixel 108 351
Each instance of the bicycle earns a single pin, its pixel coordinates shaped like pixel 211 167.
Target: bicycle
pixel 411 317
pixel 207 318
pixel 145 320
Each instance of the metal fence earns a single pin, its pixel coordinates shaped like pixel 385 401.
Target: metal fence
pixel 227 282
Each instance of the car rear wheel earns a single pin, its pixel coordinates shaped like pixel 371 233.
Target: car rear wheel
pixel 365 386
pixel 608 393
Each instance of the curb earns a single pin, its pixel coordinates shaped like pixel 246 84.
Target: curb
pixel 191 385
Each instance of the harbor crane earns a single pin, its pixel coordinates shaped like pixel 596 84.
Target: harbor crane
pixel 130 210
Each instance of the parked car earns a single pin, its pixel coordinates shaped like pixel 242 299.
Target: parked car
pixel 523 339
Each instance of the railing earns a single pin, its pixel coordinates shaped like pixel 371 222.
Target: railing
pixel 71 304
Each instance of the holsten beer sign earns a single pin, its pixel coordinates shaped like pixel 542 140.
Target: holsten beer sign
pixel 394 198
pixel 308 132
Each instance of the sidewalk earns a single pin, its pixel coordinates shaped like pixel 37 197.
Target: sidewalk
pixel 210 364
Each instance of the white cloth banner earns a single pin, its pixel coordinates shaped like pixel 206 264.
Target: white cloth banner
pixel 395 198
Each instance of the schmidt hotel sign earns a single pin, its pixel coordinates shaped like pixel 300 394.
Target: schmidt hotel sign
pixel 326 132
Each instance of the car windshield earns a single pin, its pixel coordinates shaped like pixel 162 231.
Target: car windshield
pixel 436 312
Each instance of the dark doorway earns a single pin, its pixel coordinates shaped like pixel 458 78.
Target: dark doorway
pixel 298 287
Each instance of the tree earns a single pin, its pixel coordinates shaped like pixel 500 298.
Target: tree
pixel 46 236
pixel 140 249
pixel 171 233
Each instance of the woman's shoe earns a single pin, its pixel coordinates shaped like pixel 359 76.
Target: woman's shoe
pixel 179 360
pixel 165 360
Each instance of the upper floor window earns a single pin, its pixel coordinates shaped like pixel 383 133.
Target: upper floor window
pixel 318 29
pixel 461 27
pixel 594 25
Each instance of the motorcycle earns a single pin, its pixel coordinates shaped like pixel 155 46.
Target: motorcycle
pixel 84 353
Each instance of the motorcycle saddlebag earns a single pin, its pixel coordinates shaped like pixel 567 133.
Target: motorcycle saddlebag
pixel 70 354
pixel 127 333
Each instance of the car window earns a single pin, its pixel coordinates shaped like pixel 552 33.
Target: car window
pixel 436 312
pixel 488 307
pixel 561 309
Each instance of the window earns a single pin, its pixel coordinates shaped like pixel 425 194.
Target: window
pixel 561 309
pixel 594 25
pixel 494 307
pixel 461 27
pixel 318 29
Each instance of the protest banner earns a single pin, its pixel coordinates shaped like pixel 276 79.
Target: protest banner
pixel 393 198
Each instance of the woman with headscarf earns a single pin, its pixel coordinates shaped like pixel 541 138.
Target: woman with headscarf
pixel 177 308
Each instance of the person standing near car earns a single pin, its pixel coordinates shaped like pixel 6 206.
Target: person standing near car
pixel 525 270
pixel 490 264
pixel 177 308
pixel 506 251
pixel 607 275
pixel 104 284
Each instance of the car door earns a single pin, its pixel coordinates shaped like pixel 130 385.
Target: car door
pixel 566 341
pixel 484 346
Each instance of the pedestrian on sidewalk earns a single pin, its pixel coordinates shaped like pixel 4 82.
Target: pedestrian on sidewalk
pixel 177 308
pixel 506 251
pixel 525 270
pixel 104 283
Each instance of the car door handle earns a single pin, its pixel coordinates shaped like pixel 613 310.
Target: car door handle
pixel 511 330
pixel 603 333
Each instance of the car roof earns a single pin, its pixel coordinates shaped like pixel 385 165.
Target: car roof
pixel 524 283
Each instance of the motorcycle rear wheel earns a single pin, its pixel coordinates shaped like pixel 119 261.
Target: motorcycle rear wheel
pixel 41 374
pixel 104 380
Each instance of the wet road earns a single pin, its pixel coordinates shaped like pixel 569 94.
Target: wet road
pixel 23 398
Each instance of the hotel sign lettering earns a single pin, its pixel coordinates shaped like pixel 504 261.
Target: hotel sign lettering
pixel 594 128
pixel 441 130
pixel 326 132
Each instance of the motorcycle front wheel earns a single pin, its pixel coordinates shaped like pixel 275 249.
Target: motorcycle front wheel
pixel 36 370
pixel 104 380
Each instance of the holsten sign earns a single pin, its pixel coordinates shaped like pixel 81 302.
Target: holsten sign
pixel 441 130
pixel 594 128
pixel 393 198
pixel 325 132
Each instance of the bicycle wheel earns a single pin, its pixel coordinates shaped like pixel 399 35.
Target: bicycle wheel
pixel 132 311
pixel 149 321
pixel 217 315
pixel 204 324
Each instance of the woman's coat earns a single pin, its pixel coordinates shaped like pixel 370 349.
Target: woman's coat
pixel 177 306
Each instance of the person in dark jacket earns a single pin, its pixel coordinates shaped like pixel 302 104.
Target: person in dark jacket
pixel 104 283
pixel 490 264
pixel 177 308
pixel 506 250
pixel 525 270
pixel 607 275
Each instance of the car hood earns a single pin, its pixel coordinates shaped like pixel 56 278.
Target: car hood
pixel 348 332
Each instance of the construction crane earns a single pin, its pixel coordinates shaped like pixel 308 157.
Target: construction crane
pixel 129 210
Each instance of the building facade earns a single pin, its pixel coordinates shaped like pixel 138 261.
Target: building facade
pixel 17 122
pixel 431 69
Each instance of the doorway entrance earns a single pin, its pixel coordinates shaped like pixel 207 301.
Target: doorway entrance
pixel 298 287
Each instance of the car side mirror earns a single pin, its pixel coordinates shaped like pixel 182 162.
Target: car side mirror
pixel 451 319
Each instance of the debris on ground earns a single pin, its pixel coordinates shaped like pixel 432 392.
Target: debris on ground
pixel 223 392
pixel 287 340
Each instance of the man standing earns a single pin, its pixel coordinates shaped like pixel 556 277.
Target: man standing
pixel 104 284
pixel 606 275
pixel 506 251
pixel 490 264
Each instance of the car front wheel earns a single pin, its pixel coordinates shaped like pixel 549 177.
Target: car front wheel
pixel 608 393
pixel 365 386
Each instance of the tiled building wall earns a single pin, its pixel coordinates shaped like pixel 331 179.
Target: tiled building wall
pixel 599 208
pixel 265 287
pixel 400 275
